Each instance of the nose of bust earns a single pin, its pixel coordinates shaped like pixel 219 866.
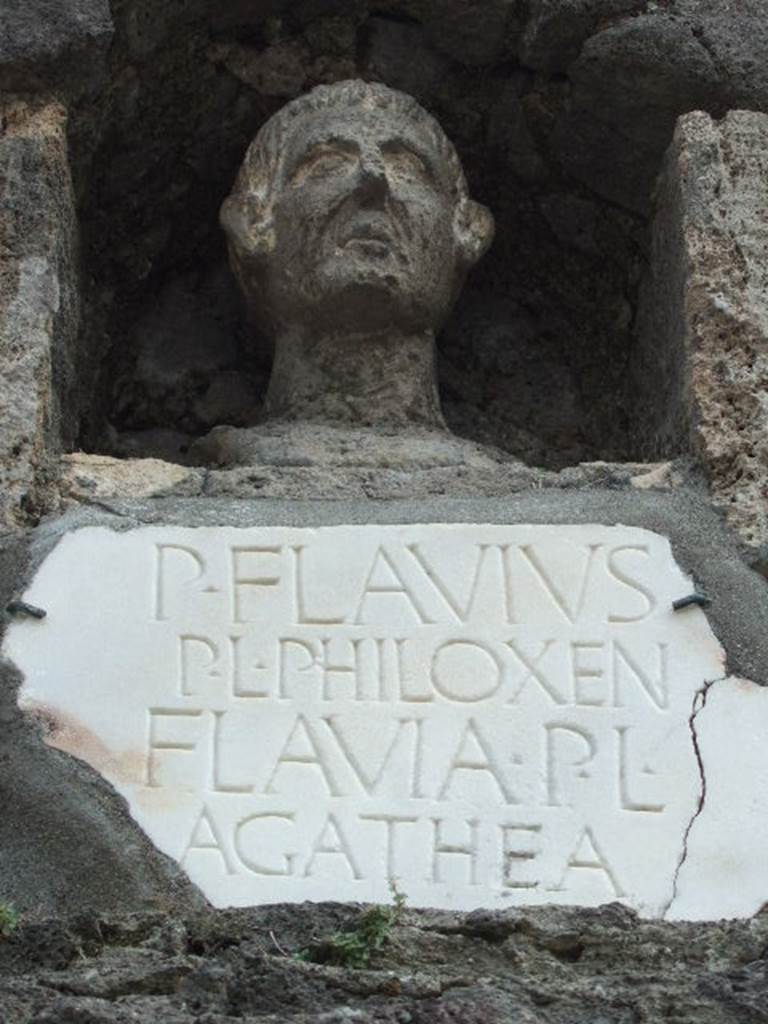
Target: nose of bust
pixel 372 183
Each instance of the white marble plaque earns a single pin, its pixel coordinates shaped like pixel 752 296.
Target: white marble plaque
pixel 491 715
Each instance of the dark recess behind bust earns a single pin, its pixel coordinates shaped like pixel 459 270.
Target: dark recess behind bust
pixel 561 112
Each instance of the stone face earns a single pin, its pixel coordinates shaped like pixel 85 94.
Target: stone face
pixel 38 303
pixel 703 352
pixel 492 715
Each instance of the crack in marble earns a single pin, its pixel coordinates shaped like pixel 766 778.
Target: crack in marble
pixel 698 705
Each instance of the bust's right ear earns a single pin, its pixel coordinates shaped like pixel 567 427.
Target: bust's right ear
pixel 247 221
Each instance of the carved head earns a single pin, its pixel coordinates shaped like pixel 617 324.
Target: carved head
pixel 351 211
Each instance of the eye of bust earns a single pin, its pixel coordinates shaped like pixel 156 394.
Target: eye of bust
pixel 322 161
pixel 403 162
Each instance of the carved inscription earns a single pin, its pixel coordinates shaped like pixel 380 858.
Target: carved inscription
pixel 489 714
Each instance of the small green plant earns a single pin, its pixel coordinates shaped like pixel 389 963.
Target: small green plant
pixel 8 920
pixel 357 946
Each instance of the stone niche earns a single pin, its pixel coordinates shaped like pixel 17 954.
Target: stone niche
pixel 554 140
pixel 559 140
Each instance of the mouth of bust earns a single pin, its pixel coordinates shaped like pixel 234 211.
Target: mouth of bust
pixel 368 245
pixel 376 235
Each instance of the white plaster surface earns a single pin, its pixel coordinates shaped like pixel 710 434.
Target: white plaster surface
pixel 725 872
pixel 492 715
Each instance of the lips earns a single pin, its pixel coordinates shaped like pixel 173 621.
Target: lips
pixel 367 231
pixel 368 241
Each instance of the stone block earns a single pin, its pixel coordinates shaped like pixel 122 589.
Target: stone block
pixel 472 33
pixel 635 75
pixel 38 302
pixel 702 361
pixel 737 36
pixel 557 29
pixel 630 84
pixel 59 44
pixel 398 54
pixel 93 477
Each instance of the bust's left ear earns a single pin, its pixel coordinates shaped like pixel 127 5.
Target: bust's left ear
pixel 473 228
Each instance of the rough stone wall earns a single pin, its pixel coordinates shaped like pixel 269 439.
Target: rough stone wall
pixel 271 965
pixel 704 317
pixel 45 44
pixel 562 111
pixel 39 304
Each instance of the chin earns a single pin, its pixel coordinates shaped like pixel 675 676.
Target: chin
pixel 373 293
pixel 378 304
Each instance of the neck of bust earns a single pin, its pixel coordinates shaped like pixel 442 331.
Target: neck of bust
pixel 381 378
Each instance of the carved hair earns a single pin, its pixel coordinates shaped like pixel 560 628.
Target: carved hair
pixel 262 161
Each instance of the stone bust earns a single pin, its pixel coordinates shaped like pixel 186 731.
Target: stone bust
pixel 350 231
